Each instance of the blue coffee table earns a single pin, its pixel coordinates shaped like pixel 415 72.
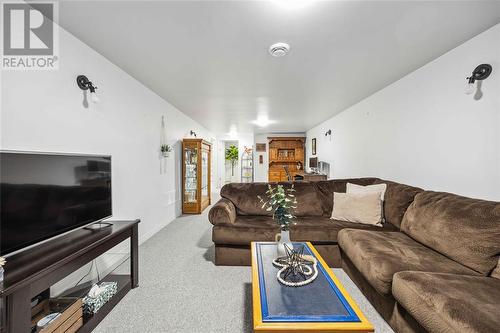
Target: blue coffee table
pixel 322 306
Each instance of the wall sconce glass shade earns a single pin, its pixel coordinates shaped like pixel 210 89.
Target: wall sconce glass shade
pixel 469 88
pixel 93 97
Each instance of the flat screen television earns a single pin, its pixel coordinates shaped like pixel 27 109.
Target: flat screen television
pixel 46 195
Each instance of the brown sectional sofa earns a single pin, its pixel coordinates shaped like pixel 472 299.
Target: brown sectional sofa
pixel 433 266
pixel 440 273
pixel 238 218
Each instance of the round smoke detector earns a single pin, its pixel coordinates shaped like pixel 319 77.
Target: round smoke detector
pixel 279 49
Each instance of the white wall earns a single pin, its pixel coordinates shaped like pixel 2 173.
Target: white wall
pixel 423 130
pixel 261 170
pixel 44 111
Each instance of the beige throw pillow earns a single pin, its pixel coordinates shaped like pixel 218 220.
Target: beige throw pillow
pixel 378 188
pixel 363 208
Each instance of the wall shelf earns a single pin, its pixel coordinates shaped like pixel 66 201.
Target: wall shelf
pixel 247 166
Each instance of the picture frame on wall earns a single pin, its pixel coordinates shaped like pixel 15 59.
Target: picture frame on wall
pixel 313 148
pixel 260 147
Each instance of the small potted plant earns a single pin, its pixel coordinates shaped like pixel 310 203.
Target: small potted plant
pixel 2 263
pixel 282 202
pixel 165 150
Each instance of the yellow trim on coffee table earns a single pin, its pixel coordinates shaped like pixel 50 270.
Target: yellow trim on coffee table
pixel 363 326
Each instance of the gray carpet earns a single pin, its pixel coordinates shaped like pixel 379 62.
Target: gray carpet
pixel 181 290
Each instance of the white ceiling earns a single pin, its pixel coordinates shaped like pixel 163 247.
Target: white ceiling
pixel 209 58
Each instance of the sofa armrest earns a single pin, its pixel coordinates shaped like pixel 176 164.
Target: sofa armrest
pixel 223 211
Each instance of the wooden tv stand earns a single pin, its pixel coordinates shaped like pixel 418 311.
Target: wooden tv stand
pixel 36 269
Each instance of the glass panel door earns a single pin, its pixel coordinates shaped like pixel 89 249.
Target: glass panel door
pixel 204 172
pixel 191 179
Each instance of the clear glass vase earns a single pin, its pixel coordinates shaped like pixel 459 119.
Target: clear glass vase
pixel 282 239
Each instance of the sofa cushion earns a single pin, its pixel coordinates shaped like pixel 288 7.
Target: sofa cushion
pixel 397 198
pixel 448 302
pixel 326 188
pixel 247 229
pixel 326 230
pixel 245 198
pixel 244 230
pixel 463 229
pixel 365 208
pixel 222 212
pixel 379 255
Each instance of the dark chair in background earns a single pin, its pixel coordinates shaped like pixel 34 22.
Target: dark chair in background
pixel 288 176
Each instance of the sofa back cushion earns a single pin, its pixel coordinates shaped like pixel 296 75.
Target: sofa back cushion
pixel 244 197
pixel 326 188
pixel 398 198
pixel 463 229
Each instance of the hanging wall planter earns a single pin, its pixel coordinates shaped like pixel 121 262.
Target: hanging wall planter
pixel 165 150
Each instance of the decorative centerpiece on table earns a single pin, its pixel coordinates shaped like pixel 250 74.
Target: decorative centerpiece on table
pixel 282 202
pixel 296 269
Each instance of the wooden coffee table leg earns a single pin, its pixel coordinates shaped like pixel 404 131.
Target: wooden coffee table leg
pixel 134 256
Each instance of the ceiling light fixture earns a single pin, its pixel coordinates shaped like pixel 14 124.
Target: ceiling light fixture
pixel 292 4
pixel 263 121
pixel 233 131
pixel 279 49
pixel 481 72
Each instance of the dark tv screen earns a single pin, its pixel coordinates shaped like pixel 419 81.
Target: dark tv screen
pixel 45 195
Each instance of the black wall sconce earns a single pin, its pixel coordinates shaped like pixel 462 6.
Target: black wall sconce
pixel 481 72
pixel 192 133
pixel 83 83
pixel 329 134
